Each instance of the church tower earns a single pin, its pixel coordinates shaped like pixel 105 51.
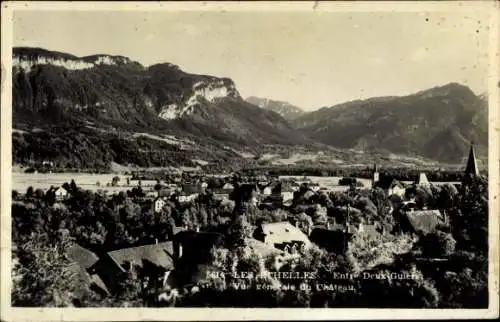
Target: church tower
pixel 471 169
pixel 376 175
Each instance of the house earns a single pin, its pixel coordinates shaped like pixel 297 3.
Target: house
pixel 60 193
pixel 154 260
pixel 221 194
pixel 287 195
pixel 283 190
pixel 396 188
pixel 191 188
pixel 165 192
pixel 151 194
pixel 47 164
pixel 158 204
pixel 267 190
pixel 186 197
pixel 82 260
pixel 228 187
pixel 422 221
pixel 262 248
pixel 282 235
pixel 314 187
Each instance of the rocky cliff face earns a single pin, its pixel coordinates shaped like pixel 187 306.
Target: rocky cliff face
pixel 201 92
pixel 53 87
pixel 25 58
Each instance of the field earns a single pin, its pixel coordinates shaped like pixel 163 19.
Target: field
pixel 330 183
pixel 21 181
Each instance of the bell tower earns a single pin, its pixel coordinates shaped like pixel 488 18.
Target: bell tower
pixel 471 168
pixel 376 175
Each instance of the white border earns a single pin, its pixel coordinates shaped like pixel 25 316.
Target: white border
pixel 91 314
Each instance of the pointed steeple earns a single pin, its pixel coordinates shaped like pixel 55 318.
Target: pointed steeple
pixel 471 168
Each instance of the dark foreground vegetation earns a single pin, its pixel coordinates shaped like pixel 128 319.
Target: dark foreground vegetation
pixel 448 267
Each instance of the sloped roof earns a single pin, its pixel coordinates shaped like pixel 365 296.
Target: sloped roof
pixel 165 192
pixel 190 188
pixel 283 232
pixel 96 279
pixel 262 248
pixel 60 190
pixel 158 254
pixel 424 220
pixel 82 259
pixel 396 183
pixel 228 186
pixel 82 256
pixel 308 194
pixel 222 191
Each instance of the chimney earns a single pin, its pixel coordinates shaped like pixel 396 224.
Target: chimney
pixel 156 240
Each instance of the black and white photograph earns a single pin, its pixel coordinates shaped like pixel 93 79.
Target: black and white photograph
pixel 246 155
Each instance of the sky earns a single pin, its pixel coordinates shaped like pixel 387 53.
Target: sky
pixel 309 58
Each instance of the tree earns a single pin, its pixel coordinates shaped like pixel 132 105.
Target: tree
pixel 42 276
pixel 239 231
pixel 437 244
pixel 72 186
pixel 115 181
pixel 398 288
pixel 319 215
pixel 29 192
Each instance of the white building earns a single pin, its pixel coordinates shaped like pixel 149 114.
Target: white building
pixel 158 204
pixel 60 193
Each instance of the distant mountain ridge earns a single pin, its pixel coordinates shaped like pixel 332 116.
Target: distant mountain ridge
pixel 104 102
pixel 437 123
pixel 115 89
pixel 83 109
pixel 285 109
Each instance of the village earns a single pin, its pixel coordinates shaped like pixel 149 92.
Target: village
pixel 286 216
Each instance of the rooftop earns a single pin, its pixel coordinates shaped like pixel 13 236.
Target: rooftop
pixel 160 254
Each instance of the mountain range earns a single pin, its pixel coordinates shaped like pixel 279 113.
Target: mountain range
pixel 89 111
pixel 438 123
pixel 288 111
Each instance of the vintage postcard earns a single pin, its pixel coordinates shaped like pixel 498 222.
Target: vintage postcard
pixel 236 161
